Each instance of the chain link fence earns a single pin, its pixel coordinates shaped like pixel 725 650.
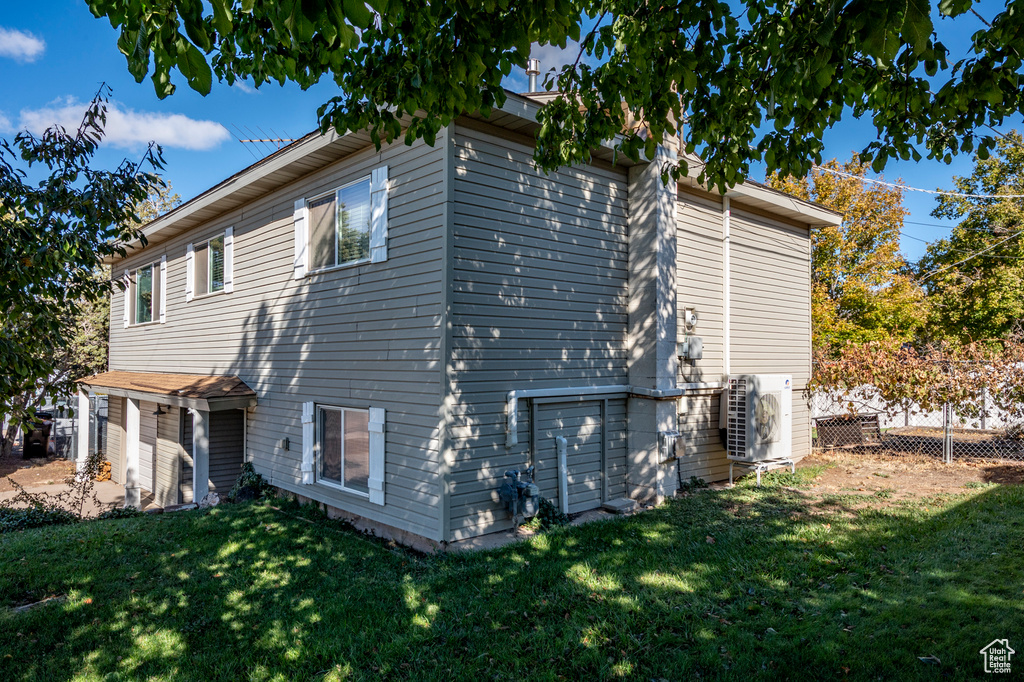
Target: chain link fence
pixel 970 430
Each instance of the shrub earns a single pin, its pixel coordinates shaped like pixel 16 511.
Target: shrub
pixel 249 486
pixel 549 516
pixel 120 513
pixel 36 516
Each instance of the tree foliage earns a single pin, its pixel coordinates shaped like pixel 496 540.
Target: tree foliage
pixel 56 234
pixel 904 378
pixel 975 277
pixel 755 80
pixel 862 289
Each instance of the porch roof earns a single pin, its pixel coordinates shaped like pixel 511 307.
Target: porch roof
pixel 196 391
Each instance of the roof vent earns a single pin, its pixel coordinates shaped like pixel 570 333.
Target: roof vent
pixel 533 70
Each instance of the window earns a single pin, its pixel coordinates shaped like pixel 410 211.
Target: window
pixel 144 294
pixel 339 226
pixel 209 259
pixel 343 448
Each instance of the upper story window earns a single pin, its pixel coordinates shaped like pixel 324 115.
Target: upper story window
pixel 209 265
pixel 339 226
pixel 345 226
pixel 144 299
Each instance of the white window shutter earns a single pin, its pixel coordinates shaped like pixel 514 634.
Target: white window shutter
pixel 377 455
pixel 190 272
pixel 229 260
pixel 163 289
pixel 301 239
pixel 379 215
pixel 308 441
pixel 127 297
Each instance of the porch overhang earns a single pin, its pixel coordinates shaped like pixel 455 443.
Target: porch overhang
pixel 193 391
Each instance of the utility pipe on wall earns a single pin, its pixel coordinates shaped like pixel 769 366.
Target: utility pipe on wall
pixel 561 445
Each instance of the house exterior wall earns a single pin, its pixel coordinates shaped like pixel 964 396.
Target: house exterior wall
pixel 771 307
pixel 770 321
pixel 365 335
pixel 538 300
pixel 168 458
pixel 114 452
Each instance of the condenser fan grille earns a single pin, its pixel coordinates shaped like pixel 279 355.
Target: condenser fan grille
pixel 768 417
pixel 737 416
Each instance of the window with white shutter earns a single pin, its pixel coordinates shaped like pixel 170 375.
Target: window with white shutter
pixel 346 226
pixel 190 272
pixel 308 443
pixel 163 289
pixel 349 450
pixel 229 260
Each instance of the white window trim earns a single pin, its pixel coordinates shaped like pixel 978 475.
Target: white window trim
pixel 318 408
pixel 309 227
pixel 209 266
pixel 133 290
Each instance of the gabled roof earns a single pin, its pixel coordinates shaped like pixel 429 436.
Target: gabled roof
pixel 315 151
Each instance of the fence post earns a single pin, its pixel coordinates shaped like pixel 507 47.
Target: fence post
pixel 984 408
pixel 947 433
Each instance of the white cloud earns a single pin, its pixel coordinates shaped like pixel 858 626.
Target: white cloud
pixel 20 45
pixel 244 86
pixel 5 124
pixel 130 129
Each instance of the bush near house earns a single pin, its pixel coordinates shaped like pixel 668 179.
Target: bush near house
pixel 742 583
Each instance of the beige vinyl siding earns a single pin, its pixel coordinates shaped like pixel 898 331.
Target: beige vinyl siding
pixel 115 438
pixel 700 287
pixel 771 307
pixel 147 446
pixel 361 336
pixel 186 461
pixel 168 457
pixel 227 431
pixel 539 291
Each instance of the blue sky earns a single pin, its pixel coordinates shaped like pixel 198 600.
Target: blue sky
pixel 54 55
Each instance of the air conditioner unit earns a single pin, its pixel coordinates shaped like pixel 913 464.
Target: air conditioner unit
pixel 757 411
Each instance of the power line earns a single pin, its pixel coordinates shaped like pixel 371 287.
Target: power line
pixel 910 236
pixel 974 255
pixel 907 188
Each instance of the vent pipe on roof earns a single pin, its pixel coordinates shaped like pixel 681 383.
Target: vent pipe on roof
pixel 533 70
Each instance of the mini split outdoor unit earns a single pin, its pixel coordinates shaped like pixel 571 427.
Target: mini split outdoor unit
pixel 757 415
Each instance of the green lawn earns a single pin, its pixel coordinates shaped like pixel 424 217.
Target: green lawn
pixel 744 583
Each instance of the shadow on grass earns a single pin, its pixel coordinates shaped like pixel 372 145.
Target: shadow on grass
pixel 722 584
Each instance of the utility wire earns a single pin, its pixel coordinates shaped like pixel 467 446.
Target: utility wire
pixel 973 255
pixel 906 188
pixel 910 236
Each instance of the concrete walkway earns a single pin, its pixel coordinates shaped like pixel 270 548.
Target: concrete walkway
pixel 108 494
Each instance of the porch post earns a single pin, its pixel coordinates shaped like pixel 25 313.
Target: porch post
pixel 200 455
pixel 83 430
pixel 132 494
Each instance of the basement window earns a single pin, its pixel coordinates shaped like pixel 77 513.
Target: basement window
pixel 343 448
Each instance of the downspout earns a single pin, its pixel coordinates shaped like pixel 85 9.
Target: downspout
pixel 726 289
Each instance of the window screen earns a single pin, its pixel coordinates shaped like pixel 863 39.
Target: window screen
pixel 339 226
pixel 343 441
pixel 144 297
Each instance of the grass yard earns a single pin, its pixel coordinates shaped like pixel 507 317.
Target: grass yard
pixel 733 584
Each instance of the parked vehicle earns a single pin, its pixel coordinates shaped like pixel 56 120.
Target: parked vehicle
pixel 39 440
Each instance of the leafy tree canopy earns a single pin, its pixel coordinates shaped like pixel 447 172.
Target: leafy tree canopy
pixel 862 289
pixel 56 234
pixel 975 277
pixel 753 80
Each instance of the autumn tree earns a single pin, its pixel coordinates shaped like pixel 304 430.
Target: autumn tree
pixel 975 277
pixel 56 234
pixel 754 80
pixel 861 286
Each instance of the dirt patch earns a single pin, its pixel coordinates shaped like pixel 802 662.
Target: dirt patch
pixel 883 481
pixel 33 472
